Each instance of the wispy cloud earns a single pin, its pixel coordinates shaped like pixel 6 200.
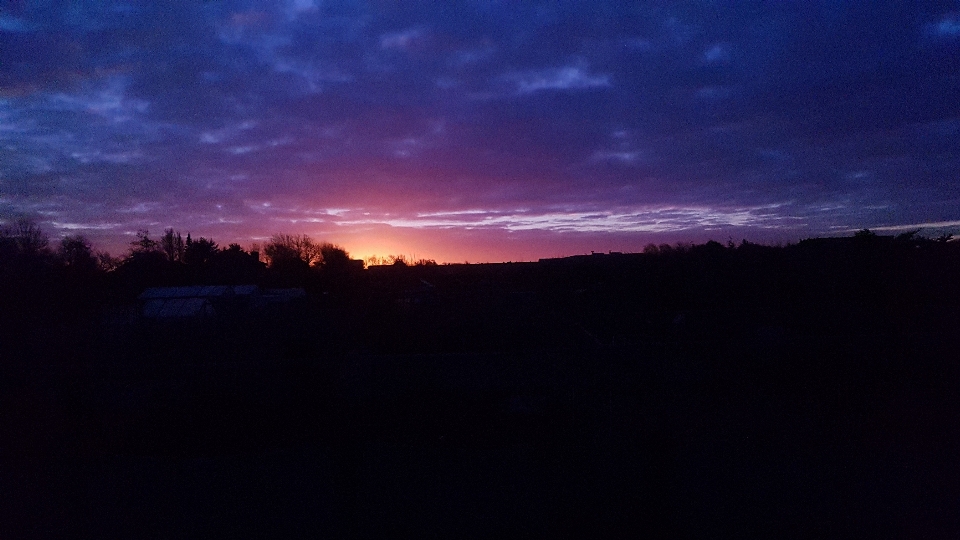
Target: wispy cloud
pixel 645 219
pixel 947 27
pixel 404 40
pixel 556 79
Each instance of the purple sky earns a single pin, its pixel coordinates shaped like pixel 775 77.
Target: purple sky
pixel 496 130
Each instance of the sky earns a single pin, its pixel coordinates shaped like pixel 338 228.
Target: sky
pixel 480 130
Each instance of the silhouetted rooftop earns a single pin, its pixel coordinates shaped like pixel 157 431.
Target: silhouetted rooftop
pixel 203 291
pixel 177 308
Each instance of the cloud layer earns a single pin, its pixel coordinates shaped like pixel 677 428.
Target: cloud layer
pixel 425 123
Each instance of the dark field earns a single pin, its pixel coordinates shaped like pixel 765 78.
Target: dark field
pixel 805 391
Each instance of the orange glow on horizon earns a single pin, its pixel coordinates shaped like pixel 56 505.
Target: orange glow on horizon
pixel 364 247
pixel 440 246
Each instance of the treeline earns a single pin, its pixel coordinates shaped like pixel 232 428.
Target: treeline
pixel 27 254
pixel 56 291
pixel 398 260
pixel 171 259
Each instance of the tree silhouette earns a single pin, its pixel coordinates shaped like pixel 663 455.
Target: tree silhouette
pixel 143 243
pixel 199 252
pixel 333 257
pixel 235 266
pixel 172 245
pixel 75 253
pixel 26 237
pixel 106 262
pixel 285 249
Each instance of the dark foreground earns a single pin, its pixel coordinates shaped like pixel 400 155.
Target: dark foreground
pixel 616 400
